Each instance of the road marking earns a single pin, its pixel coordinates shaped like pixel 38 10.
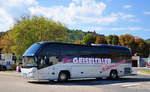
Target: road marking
pixel 126 84
pixel 130 84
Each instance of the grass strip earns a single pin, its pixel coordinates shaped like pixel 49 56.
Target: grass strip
pixel 9 71
pixel 146 71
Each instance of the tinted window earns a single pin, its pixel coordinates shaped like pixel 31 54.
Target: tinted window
pixel 32 50
pixel 70 50
pixel 94 52
pixel 50 50
pixel 119 54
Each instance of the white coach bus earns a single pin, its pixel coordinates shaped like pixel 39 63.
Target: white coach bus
pixel 63 61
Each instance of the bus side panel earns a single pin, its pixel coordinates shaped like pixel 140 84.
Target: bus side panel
pixel 43 73
pixel 79 71
pixel 87 71
pixel 48 73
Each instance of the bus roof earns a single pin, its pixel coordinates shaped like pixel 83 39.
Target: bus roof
pixel 34 49
pixel 112 46
pixel 92 45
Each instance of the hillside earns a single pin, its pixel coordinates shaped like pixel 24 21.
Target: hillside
pixel 148 40
pixel 2 33
pixel 74 35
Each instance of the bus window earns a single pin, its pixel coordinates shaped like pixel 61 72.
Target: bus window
pixel 53 60
pixel 69 50
pixel 50 50
pixel 41 62
pixel 46 61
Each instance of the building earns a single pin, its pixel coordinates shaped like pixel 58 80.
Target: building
pixel 137 61
pixel 148 61
pixel 6 60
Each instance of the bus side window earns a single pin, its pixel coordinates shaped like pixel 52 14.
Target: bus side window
pixel 59 58
pixel 41 62
pixel 46 60
pixel 0 57
pixel 54 59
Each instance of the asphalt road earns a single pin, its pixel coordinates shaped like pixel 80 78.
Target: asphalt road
pixel 134 83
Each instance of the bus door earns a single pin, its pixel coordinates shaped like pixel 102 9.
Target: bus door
pixel 42 73
pixel 42 68
pixel 49 70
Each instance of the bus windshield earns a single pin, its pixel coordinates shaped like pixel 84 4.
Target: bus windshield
pixel 29 62
pixel 32 50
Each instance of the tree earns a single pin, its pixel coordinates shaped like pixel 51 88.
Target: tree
pixel 148 40
pixel 148 43
pixel 128 41
pixel 78 42
pixel 1 36
pixel 109 39
pixel 115 40
pixel 112 39
pixel 89 39
pixel 7 42
pixel 30 30
pixel 100 40
pixel 74 35
pixel 142 47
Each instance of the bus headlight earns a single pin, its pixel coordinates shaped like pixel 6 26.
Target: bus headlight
pixel 32 73
pixel 33 70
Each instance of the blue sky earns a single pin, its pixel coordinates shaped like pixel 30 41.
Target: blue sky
pixel 104 16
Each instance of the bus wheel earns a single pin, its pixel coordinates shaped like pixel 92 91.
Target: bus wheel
pixel 63 76
pixel 113 74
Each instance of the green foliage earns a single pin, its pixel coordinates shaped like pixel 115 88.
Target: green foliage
pixel 112 39
pixel 148 40
pixel 78 42
pixel 128 41
pixel 1 37
pixel 2 34
pixel 115 40
pixel 30 30
pixel 89 39
pixel 142 48
pixel 75 35
pixel 148 47
pixel 100 40
pixel 109 39
pixel 145 71
pixel 7 42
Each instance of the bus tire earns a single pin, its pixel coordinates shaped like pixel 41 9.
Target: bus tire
pixel 113 75
pixel 63 76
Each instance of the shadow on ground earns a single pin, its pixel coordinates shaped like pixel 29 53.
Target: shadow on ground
pixel 85 82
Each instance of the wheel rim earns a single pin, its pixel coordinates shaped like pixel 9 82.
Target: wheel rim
pixel 63 77
pixel 113 75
